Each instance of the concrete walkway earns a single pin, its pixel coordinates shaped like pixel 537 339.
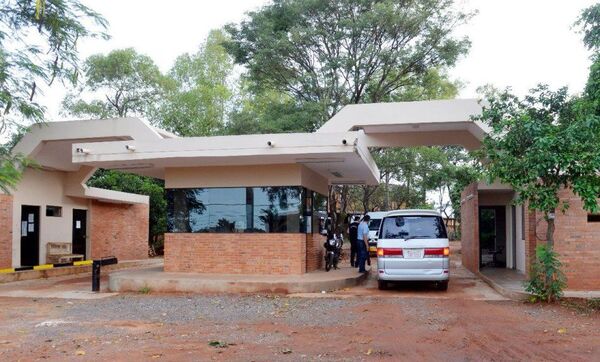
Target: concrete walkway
pixel 156 280
pixel 510 283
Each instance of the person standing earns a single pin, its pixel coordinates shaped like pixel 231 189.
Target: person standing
pixel 353 236
pixel 363 243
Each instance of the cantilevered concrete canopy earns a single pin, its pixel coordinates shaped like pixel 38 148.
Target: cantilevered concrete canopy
pixel 407 124
pixel 338 157
pixel 338 151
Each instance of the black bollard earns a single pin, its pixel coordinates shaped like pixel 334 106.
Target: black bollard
pixel 96 275
pixel 96 266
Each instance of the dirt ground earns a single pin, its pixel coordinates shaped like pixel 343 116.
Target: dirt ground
pixel 470 322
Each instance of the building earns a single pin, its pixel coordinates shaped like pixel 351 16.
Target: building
pixel 498 233
pixel 254 204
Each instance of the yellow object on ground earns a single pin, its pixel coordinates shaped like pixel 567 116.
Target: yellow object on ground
pixel 7 270
pixel 83 262
pixel 43 267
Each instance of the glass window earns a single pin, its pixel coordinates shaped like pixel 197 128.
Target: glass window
pixel 258 209
pixel 374 224
pixel 54 211
pixel 405 227
pixel 319 215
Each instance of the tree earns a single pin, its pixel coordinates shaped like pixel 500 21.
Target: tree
pixel 200 96
pixel 541 144
pixel 332 53
pixel 38 46
pixel 120 84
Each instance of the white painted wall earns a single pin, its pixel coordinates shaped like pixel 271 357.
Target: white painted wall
pixel 520 240
pixel 41 188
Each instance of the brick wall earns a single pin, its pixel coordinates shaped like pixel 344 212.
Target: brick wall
pixel 576 240
pixel 119 230
pixel 469 227
pixel 236 253
pixel 6 203
pixel 314 252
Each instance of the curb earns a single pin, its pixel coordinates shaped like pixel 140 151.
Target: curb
pixel 507 293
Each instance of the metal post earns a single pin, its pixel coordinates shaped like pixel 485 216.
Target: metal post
pixel 96 275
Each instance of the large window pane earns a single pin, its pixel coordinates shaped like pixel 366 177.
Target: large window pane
pixel 319 214
pixel 277 209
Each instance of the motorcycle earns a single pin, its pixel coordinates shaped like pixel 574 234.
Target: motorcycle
pixel 333 249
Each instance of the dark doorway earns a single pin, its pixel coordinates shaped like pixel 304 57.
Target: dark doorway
pixel 30 235
pixel 492 236
pixel 79 231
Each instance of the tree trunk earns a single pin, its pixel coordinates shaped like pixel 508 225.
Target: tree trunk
pixel 550 230
pixel 386 194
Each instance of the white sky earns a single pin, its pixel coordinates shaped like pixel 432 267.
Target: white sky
pixel 514 42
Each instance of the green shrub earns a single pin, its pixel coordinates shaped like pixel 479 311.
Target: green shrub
pixel 546 281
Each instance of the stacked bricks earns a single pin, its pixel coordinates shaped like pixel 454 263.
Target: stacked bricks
pixel 469 225
pixel 314 252
pixel 119 230
pixel 236 253
pixel 6 204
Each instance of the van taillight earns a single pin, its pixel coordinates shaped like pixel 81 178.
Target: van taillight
pixel 397 252
pixel 436 253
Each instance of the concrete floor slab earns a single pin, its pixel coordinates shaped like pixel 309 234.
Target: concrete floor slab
pixel 156 280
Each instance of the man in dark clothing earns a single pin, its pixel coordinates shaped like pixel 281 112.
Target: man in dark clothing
pixel 353 236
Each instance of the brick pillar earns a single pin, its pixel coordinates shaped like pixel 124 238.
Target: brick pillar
pixel 469 227
pixel 6 205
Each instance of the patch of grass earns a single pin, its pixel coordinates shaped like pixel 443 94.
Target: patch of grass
pixel 584 307
pixel 145 290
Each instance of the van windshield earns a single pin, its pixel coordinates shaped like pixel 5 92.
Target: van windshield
pixel 374 224
pixel 413 227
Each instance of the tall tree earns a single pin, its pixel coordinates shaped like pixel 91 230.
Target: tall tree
pixel 200 98
pixel 542 143
pixel 38 46
pixel 332 53
pixel 119 84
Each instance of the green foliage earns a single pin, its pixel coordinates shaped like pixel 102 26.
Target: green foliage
pixel 546 280
pixel 114 180
pixel 589 23
pixel 200 96
pixel 38 45
pixel 333 53
pixel 120 84
pixel 542 143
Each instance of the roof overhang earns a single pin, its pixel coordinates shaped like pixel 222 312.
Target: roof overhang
pixel 341 158
pixel 408 124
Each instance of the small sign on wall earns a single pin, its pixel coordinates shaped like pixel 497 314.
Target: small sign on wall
pixel 30 228
pixel 23 228
pixel 77 224
pixel 30 218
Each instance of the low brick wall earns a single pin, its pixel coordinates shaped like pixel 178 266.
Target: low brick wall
pixel 119 230
pixel 469 227
pixel 576 240
pixel 314 252
pixel 6 207
pixel 236 253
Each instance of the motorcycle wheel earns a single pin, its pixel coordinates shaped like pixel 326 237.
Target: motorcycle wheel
pixel 329 262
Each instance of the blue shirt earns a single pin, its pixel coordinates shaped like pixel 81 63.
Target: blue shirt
pixel 363 230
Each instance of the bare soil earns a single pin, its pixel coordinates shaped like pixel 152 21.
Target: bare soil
pixel 470 322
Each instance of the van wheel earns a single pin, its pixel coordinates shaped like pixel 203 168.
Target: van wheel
pixel 443 286
pixel 382 285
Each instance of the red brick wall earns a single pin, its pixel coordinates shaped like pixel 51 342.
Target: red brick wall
pixel 576 240
pixel 314 252
pixel 469 227
pixel 240 253
pixel 119 230
pixel 6 202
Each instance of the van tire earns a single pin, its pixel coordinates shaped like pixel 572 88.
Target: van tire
pixel 382 285
pixel 442 286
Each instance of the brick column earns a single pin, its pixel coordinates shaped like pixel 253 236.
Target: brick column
pixel 469 227
pixel 6 208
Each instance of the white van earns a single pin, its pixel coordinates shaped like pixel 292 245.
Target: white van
pixel 413 245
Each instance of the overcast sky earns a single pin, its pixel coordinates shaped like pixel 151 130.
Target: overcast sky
pixel 514 42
